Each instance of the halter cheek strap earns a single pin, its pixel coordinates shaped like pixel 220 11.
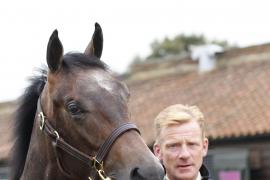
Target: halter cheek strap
pixel 93 162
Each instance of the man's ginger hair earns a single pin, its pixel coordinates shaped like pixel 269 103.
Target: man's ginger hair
pixel 178 114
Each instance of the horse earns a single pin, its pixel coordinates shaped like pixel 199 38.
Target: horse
pixel 73 122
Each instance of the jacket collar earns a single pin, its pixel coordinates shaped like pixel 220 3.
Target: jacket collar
pixel 204 172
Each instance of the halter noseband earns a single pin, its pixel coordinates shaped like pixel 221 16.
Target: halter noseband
pixel 94 162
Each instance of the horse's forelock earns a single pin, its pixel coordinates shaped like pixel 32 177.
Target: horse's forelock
pixel 73 59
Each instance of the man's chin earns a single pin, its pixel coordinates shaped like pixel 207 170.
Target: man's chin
pixel 186 176
pixel 187 172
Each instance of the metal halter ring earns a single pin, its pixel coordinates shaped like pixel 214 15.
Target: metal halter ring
pixel 57 136
pixel 41 120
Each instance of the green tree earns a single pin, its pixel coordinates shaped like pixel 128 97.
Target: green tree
pixel 176 45
pixel 179 45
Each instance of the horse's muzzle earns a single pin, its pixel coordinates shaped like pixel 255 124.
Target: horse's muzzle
pixel 149 173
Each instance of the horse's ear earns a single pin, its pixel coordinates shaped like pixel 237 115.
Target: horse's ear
pixel 54 52
pixel 96 45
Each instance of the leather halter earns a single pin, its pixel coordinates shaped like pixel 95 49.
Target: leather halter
pixel 93 162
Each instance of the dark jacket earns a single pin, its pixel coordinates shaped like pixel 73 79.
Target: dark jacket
pixel 204 173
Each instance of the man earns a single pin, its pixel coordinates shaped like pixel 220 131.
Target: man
pixel 181 143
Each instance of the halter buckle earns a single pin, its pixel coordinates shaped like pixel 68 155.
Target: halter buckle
pixel 99 168
pixel 96 164
pixel 41 120
pixel 102 175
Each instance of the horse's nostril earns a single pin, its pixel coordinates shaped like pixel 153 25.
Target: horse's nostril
pixel 135 174
pixel 146 173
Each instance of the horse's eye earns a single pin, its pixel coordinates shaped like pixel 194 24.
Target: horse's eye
pixel 73 109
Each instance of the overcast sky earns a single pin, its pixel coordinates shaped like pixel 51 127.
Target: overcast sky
pixel 128 28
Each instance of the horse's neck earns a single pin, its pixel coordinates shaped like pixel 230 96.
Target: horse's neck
pixel 39 162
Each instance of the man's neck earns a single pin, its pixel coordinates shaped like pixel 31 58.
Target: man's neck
pixel 199 177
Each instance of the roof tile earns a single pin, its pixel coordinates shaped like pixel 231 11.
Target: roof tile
pixel 234 99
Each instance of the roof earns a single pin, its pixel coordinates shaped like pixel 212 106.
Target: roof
pixel 234 99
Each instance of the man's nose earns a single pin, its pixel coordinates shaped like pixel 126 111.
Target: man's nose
pixel 184 152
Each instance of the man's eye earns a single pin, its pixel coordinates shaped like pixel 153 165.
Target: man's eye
pixel 193 144
pixel 172 146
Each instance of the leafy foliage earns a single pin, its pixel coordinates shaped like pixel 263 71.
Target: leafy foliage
pixel 176 46
pixel 179 45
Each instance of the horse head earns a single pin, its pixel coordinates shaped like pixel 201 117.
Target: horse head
pixel 85 104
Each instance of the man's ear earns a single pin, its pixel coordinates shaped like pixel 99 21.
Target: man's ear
pixel 205 146
pixel 157 151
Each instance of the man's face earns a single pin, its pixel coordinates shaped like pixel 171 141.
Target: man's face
pixel 181 149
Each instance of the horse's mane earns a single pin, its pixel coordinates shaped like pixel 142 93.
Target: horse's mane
pixel 25 113
pixel 23 123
